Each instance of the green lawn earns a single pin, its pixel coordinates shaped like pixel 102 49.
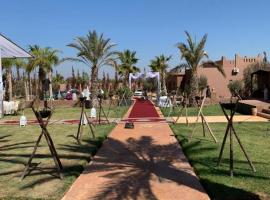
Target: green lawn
pixel 210 110
pixel 16 144
pixel 70 113
pixel 202 153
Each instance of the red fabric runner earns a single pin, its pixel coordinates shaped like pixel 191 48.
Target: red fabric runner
pixel 142 109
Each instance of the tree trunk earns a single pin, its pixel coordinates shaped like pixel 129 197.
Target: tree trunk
pixel 193 88
pixel 116 80
pixel 94 81
pixel 36 84
pixel 26 83
pixel 9 77
pixel 50 78
pixel 18 73
pixel 127 79
pixel 30 87
pixel 164 82
pixel 41 77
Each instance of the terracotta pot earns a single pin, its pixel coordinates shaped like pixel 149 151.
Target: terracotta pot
pixel 254 111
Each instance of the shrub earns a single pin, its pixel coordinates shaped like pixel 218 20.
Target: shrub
pixel 236 87
pixel 247 79
pixel 124 90
pixel 202 83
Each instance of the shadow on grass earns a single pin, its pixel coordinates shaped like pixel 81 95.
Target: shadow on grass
pixel 218 191
pixel 79 153
pixel 206 165
pixel 19 145
pixel 2 138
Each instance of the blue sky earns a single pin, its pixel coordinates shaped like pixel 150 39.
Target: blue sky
pixel 149 27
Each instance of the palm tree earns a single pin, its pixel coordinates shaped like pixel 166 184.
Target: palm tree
pixel 29 68
pixel 115 66
pixel 44 59
pixel 160 64
pixel 95 51
pixel 7 64
pixel 58 79
pixel 19 63
pixel 127 60
pixel 193 53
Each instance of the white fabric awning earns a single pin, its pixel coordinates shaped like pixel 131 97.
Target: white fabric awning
pixel 10 50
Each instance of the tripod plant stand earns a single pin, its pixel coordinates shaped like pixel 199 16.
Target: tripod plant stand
pixel 82 117
pixel 122 98
pixel 181 109
pixel 200 103
pixel 43 123
pixel 101 110
pixel 110 104
pixel 171 101
pixel 231 131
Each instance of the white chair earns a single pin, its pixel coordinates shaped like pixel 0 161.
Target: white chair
pixel 93 113
pixel 23 121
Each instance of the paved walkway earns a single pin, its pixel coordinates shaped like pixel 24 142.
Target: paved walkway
pixel 141 163
pixel 213 119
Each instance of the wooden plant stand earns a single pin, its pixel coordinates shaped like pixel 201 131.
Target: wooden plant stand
pixel 200 104
pixel 231 131
pixel 101 110
pixel 181 109
pixel 43 123
pixel 82 116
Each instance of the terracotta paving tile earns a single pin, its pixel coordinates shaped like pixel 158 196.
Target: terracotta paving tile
pixel 141 163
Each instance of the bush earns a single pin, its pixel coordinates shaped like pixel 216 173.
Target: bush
pixel 247 79
pixel 202 83
pixel 124 90
pixel 236 87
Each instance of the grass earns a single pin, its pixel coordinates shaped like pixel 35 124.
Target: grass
pixel 70 113
pixel 16 145
pixel 203 153
pixel 209 110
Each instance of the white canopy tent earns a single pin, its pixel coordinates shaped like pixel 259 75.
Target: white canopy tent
pixel 8 49
pixel 146 75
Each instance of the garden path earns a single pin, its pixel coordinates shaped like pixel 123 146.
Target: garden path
pixel 141 163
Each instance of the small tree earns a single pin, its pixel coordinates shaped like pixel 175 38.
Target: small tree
pixel 236 87
pixel 202 83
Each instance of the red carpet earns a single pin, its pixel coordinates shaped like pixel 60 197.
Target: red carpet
pixel 143 109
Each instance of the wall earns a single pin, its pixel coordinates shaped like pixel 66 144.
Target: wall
pixel 217 82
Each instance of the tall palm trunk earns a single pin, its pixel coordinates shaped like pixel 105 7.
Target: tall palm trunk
pixel 18 73
pixel 127 79
pixel 164 88
pixel 9 77
pixel 116 80
pixel 50 78
pixel 26 85
pixel 30 86
pixel 41 77
pixel 36 84
pixel 193 88
pixel 94 81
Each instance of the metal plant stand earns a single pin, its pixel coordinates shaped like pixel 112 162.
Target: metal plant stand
pixel 231 131
pixel 200 103
pixel 82 116
pixel 43 118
